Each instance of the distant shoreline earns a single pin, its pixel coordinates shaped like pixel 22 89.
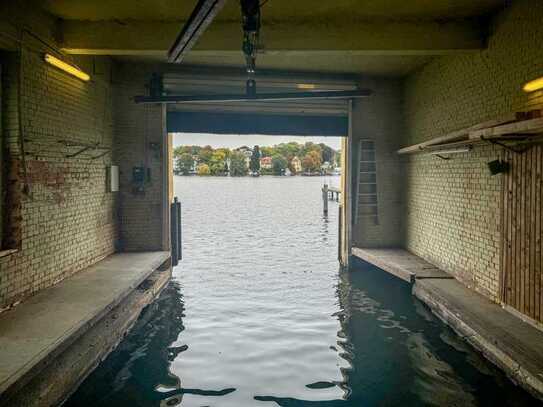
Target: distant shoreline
pixel 262 175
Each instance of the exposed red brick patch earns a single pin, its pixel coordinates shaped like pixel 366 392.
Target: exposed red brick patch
pixel 46 173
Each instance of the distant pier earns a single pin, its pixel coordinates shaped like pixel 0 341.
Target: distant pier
pixel 329 194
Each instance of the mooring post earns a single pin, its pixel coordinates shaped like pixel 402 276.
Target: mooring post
pixel 174 232
pixel 339 234
pixel 325 198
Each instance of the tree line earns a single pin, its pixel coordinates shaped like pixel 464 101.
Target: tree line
pixel 279 159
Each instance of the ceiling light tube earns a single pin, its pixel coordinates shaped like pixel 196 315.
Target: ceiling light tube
pixel 455 151
pixel 66 67
pixel 532 86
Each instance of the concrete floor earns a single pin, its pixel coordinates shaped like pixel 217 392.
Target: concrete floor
pixel 38 331
pixel 512 344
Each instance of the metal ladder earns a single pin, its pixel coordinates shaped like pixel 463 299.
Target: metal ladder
pixel 367 183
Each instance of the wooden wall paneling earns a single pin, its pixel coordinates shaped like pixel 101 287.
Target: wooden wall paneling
pixel 522 225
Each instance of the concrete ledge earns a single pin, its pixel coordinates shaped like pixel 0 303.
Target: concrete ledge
pixel 509 342
pixel 58 380
pixel 400 263
pixel 38 331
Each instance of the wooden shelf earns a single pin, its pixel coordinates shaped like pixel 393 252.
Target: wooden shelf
pixel 515 127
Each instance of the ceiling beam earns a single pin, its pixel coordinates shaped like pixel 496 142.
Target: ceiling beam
pixel 257 123
pixel 202 15
pixel 364 37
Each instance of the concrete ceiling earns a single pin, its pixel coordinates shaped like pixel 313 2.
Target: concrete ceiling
pixel 174 10
pixel 328 62
pixel 384 37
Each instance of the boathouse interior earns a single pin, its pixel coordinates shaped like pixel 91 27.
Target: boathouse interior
pixel 442 156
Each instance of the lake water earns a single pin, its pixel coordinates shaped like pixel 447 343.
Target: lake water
pixel 259 314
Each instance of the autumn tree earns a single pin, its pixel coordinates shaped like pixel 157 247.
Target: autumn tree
pixel 279 164
pixel 328 153
pixel 237 164
pixel 203 169
pixel 183 164
pixel 267 151
pixel 205 154
pixel 217 162
pixel 312 161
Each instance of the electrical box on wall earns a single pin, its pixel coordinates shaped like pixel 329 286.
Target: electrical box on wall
pixel 112 177
pixel 140 177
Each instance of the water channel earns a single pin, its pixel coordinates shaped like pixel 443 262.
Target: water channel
pixel 259 314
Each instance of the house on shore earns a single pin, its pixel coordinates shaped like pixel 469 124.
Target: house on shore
pixel 266 163
pixel 248 153
pixel 296 164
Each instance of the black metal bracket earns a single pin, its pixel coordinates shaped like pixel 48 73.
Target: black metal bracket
pixel 514 150
pixel 85 147
pixel 100 155
pixel 442 157
pixel 81 151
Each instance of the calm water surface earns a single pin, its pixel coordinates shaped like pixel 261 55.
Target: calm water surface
pixel 259 314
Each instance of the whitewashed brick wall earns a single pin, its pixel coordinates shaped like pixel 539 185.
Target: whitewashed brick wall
pixel 68 220
pixel 139 138
pixel 452 214
pixel 379 118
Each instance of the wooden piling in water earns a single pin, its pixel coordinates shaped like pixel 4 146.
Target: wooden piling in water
pixel 325 198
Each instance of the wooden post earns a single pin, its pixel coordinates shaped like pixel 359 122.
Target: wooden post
pixel 325 198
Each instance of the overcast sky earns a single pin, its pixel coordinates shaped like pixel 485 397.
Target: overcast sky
pixel 236 140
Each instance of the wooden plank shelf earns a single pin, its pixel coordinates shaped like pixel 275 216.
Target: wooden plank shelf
pixel 515 127
pixel 523 128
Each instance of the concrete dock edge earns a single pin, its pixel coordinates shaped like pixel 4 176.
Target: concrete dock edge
pixel 59 379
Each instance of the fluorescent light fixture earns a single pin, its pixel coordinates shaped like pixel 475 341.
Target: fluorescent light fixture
pixel 534 85
pixel 455 151
pixel 68 68
pixel 306 86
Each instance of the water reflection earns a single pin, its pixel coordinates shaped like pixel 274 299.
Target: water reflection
pixel 138 372
pixel 259 314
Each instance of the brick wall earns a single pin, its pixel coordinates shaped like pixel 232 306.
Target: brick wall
pixel 66 221
pixel 140 139
pixel 379 118
pixel 452 216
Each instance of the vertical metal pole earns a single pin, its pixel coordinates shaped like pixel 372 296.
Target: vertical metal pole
pixel 325 198
pixel 179 235
pixel 348 223
pixel 339 233
pixel 174 230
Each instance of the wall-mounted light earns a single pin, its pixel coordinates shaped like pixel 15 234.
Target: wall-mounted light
pixel 532 86
pixel 64 66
